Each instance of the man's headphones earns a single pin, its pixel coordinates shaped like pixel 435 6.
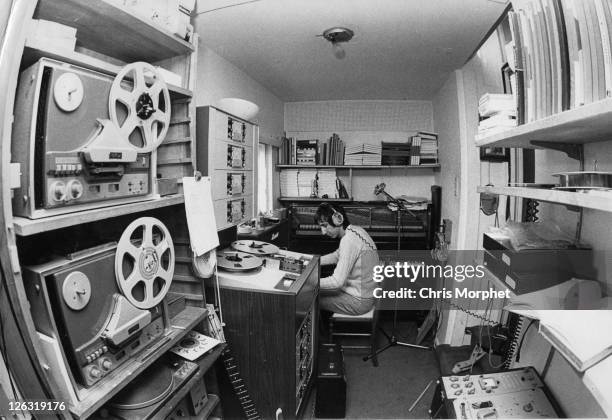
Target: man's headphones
pixel 337 217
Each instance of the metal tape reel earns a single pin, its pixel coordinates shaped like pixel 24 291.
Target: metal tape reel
pixel 238 261
pixel 147 103
pixel 204 265
pixel 255 247
pixel 144 262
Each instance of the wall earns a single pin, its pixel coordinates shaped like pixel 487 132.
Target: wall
pixel 367 121
pixel 446 121
pixel 218 78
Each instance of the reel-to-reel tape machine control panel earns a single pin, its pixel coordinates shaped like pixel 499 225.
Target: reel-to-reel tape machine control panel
pixel 84 137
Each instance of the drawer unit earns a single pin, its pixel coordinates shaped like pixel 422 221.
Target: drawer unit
pixel 232 156
pixel 231 184
pixel 229 212
pixel 226 153
pixel 229 128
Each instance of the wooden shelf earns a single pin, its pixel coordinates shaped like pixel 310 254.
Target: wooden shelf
pixel 585 124
pixel 34 52
pixel 357 166
pixel 26 227
pixel 103 391
pixel 112 31
pixel 346 200
pixel 598 200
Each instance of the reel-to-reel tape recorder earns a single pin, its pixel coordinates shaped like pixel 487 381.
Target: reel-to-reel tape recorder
pixel 86 138
pixel 104 305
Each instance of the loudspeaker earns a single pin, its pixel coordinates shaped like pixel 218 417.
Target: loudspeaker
pixel 331 383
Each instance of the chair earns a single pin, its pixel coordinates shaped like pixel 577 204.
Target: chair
pixel 369 318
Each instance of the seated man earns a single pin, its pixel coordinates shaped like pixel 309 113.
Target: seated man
pixel 349 289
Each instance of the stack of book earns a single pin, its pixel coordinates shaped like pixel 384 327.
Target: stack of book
pixel 363 154
pixel 332 151
pixel 286 155
pixel 423 148
pixel 497 113
pixel 429 148
pixel 308 183
pixel 395 154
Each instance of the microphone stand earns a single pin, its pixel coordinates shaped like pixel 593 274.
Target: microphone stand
pixel 392 338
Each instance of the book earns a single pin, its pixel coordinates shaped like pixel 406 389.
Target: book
pixel 563 312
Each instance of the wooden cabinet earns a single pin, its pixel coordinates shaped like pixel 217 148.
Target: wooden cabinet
pixel 272 329
pixel 227 153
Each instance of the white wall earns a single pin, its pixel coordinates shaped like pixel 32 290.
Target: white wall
pixel 367 121
pixel 218 78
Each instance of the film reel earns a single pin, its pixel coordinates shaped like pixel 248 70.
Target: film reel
pixel 147 104
pixel 144 262
pixel 204 265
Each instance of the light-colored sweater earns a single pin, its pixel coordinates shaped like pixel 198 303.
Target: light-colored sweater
pixel 355 259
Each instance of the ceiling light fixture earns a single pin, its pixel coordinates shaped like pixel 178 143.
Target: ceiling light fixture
pixel 336 36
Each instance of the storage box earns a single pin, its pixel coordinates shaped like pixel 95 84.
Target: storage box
pixel 331 383
pixel 534 269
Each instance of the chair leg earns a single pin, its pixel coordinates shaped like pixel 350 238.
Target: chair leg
pixel 373 339
pixel 331 330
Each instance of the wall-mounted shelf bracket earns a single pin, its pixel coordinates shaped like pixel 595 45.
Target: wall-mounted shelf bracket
pixel 574 151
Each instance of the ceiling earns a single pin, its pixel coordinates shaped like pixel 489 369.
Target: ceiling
pixel 402 49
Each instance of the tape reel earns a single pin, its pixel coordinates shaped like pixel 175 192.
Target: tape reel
pixel 144 262
pixel 255 247
pixel 204 265
pixel 147 102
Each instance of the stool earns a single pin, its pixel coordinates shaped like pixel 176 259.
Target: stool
pixel 371 318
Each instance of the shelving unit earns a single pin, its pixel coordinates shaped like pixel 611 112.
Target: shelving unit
pixel 598 200
pixel 585 124
pixel 114 32
pixel 432 166
pixel 350 168
pixel 102 392
pixel 27 227
pixel 108 37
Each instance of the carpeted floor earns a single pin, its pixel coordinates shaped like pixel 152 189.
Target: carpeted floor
pixel 388 391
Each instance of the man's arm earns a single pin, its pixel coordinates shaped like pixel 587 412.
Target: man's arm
pixel 348 253
pixel 330 259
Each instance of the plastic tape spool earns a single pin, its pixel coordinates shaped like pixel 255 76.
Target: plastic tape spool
pixel 144 262
pixel 147 101
pixel 204 265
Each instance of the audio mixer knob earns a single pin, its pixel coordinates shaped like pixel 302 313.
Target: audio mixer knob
pixel 94 373
pixel 106 363
pixel 75 189
pixel 58 191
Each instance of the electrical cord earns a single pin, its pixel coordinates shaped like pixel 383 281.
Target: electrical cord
pixel 518 350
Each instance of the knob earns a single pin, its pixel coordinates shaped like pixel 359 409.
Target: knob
pixel 75 189
pixel 58 191
pixel 95 373
pixel 106 363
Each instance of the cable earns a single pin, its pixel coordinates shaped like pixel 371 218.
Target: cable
pixel 218 296
pixel 518 350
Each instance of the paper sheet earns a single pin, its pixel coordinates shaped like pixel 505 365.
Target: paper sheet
pixel 200 215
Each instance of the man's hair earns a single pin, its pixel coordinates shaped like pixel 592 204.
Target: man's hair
pixel 326 211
